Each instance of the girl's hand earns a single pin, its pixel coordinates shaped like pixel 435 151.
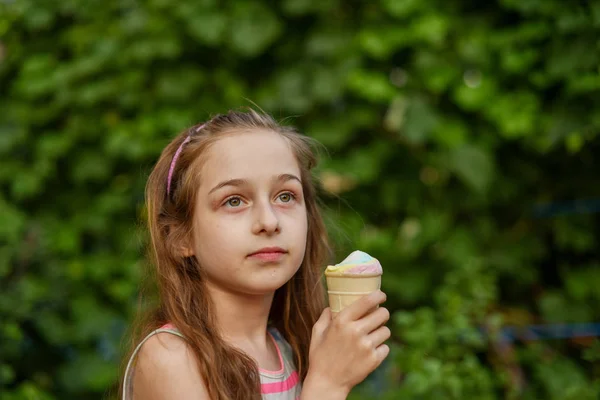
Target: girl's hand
pixel 344 350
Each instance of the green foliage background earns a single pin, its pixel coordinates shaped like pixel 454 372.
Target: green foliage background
pixel 447 123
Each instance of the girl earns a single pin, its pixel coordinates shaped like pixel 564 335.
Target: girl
pixel 239 248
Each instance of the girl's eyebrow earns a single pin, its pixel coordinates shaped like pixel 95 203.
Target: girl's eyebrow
pixel 242 182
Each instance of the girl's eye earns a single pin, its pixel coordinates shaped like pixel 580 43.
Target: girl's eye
pixel 286 197
pixel 234 202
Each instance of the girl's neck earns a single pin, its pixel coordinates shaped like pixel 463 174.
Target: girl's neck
pixel 241 318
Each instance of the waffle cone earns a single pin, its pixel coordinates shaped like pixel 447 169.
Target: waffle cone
pixel 344 290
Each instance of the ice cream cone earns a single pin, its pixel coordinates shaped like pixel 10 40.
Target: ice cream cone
pixel 344 290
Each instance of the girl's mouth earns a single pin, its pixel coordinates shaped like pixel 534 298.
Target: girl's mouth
pixel 269 254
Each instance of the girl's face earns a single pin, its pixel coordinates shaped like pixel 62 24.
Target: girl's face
pixel 250 222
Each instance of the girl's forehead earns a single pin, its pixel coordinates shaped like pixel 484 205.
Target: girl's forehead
pixel 253 154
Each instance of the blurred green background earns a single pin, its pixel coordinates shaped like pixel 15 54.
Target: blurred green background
pixel 462 146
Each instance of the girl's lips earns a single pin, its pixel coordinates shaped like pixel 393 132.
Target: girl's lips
pixel 268 256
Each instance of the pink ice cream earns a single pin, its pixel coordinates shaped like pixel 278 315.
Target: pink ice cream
pixel 357 263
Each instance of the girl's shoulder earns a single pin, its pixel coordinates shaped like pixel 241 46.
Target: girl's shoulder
pixel 164 347
pixel 164 340
pixel 162 352
pixel 162 356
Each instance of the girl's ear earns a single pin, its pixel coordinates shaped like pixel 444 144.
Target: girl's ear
pixel 186 249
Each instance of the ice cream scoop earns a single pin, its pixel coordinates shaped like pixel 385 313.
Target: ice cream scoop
pixel 357 263
pixel 357 275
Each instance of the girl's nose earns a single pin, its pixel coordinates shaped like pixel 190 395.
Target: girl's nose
pixel 265 219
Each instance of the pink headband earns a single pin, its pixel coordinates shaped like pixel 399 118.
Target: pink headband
pixel 176 156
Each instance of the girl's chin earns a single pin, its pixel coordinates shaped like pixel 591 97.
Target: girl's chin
pixel 267 286
pixel 264 281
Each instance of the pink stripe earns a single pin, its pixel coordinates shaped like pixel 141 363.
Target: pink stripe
pixel 278 387
pixel 278 355
pixel 168 326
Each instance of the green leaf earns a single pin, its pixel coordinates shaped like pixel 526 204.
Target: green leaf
pixel 515 114
pixel 14 220
pixel 473 166
pixel 372 86
pixel 401 9
pixel 475 94
pixel 420 121
pixel 208 27
pixel 253 28
pixel 431 28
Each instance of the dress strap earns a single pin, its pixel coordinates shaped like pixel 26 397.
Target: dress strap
pixel 127 384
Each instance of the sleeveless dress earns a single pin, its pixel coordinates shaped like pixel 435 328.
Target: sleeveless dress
pixel 283 384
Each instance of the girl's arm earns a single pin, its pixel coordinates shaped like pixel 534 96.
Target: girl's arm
pixel 167 369
pixel 316 388
pixel 344 350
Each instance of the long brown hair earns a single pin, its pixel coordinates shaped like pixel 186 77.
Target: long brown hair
pixel 183 300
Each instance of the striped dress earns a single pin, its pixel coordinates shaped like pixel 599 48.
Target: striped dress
pixel 283 384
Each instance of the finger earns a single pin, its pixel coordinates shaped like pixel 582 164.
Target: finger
pixel 322 323
pixel 374 320
pixel 362 306
pixel 379 336
pixel 381 353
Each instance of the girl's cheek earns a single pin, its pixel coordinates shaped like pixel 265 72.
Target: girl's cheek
pixel 290 207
